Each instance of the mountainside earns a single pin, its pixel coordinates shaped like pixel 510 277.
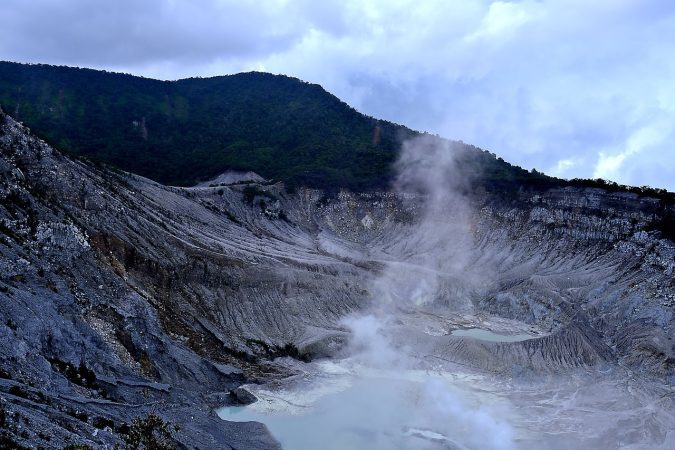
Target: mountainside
pixel 121 296
pixel 181 132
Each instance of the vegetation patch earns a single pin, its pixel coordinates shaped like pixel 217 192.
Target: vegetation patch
pixel 102 423
pixel 80 375
pixel 277 351
pixel 251 192
pixel 150 433
pixel 664 225
pixel 7 430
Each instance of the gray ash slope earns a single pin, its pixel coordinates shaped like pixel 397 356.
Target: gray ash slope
pixel 121 296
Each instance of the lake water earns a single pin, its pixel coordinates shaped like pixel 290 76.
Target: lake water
pixel 381 411
pixel 341 405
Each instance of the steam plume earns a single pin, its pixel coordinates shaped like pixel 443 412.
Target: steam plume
pixel 431 268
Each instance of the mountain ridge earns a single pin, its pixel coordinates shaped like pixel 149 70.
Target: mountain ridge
pixel 120 119
pixel 184 131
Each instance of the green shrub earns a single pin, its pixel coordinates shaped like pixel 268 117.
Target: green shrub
pixel 150 433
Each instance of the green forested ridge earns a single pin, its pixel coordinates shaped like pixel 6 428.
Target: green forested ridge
pixel 181 132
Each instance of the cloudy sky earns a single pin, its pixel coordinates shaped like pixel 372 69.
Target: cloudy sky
pixel 575 88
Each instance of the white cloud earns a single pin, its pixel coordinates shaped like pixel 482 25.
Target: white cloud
pixel 537 82
pixel 648 139
pixel 563 167
pixel 503 19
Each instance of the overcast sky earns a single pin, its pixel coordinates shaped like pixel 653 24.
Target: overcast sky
pixel 575 88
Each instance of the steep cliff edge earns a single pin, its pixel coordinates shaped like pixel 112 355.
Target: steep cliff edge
pixel 84 348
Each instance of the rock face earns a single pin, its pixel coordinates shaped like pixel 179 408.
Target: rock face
pixel 120 296
pixel 232 177
pixel 86 345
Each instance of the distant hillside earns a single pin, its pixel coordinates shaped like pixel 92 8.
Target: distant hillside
pixel 181 132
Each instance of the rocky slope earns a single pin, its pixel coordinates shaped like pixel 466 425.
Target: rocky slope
pixel 121 296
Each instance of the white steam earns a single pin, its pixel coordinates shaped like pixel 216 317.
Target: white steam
pixel 430 269
pixel 432 264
